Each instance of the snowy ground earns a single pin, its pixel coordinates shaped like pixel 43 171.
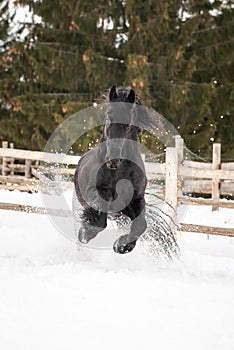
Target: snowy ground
pixel 55 297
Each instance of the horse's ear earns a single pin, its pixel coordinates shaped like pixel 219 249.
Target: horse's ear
pixel 113 93
pixel 131 96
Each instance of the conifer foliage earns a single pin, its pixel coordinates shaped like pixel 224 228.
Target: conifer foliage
pixel 178 55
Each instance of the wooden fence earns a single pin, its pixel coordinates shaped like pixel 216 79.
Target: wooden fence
pixel 175 181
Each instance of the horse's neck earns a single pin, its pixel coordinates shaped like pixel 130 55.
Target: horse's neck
pixel 134 146
pixel 133 134
pixel 102 147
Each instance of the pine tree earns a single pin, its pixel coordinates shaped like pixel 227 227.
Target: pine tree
pixel 151 42
pixel 188 47
pixel 178 55
pixel 4 63
pixel 65 61
pixel 201 76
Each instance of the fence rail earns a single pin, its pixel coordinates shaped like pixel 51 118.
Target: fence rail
pixel 177 179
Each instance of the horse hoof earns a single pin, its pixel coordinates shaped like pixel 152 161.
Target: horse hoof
pixel 82 236
pixel 122 246
pixel 121 250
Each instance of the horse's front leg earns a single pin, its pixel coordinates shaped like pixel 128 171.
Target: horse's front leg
pixel 93 221
pixel 94 217
pixel 136 212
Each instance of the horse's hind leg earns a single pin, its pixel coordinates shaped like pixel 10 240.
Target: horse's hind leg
pixel 92 223
pixel 136 212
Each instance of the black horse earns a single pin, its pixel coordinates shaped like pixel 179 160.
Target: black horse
pixel 111 178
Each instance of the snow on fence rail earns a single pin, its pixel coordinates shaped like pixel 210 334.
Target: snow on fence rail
pixel 174 181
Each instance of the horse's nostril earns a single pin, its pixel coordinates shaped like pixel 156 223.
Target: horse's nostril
pixel 114 163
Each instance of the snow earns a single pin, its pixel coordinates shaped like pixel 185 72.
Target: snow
pixel 54 296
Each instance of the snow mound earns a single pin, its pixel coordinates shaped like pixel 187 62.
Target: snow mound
pixel 55 296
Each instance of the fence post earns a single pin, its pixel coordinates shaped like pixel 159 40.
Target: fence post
pixel 171 180
pixel 4 159
pixel 28 164
pixel 216 164
pixel 12 161
pixel 179 144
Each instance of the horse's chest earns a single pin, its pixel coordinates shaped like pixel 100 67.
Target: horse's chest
pixel 110 186
pixel 108 180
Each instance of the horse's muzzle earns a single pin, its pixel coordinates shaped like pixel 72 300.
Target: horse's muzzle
pixel 114 163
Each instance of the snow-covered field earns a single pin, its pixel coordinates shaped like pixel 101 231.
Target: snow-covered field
pixel 53 296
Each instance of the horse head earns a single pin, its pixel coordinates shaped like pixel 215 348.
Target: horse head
pixel 118 125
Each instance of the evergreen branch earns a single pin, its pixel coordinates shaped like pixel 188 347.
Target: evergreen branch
pixel 54 94
pixel 217 44
pixel 214 27
pixel 50 45
pixel 77 53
